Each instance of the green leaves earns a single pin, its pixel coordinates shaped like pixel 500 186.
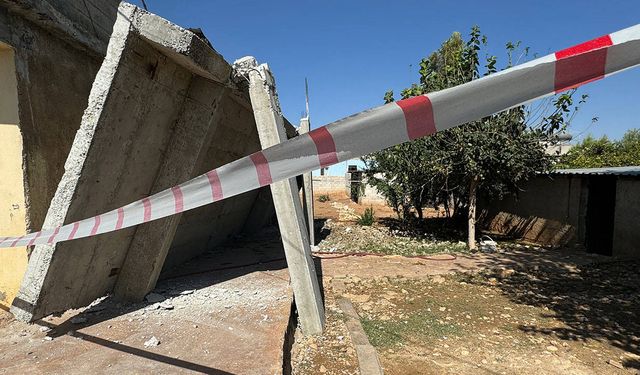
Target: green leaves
pixel 603 152
pixel 501 150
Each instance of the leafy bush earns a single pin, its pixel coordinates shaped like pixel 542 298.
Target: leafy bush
pixel 324 198
pixel 368 217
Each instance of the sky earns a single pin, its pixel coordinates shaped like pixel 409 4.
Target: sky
pixel 352 52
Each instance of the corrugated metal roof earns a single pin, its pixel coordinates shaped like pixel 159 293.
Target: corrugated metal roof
pixel 616 171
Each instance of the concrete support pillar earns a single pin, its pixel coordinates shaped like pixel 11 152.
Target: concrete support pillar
pixel 286 199
pixel 307 189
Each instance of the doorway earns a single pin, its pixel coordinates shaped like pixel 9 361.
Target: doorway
pixel 601 206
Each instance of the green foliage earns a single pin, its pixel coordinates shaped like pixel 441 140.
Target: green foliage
pixel 324 198
pixel 422 325
pixel 500 151
pixel 603 152
pixel 367 218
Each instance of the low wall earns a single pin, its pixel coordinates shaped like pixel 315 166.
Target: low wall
pixel 339 185
pixel 330 185
pixel 549 212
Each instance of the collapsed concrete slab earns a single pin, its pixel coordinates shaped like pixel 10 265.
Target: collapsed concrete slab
pixel 50 52
pixel 162 110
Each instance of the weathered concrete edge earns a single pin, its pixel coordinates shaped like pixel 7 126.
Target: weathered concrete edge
pixel 368 360
pixel 182 45
pixel 46 16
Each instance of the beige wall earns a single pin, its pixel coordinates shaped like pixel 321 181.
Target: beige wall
pixel 13 261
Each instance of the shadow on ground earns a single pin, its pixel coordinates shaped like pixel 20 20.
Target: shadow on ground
pixel 597 300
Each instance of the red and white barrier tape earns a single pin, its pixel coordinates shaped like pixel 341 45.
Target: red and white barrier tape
pixel 367 132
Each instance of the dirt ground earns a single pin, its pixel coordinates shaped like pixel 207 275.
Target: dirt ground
pixel 209 316
pixel 520 310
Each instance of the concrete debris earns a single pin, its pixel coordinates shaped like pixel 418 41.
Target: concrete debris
pixel 615 363
pixel 153 341
pixel 154 297
pixel 166 306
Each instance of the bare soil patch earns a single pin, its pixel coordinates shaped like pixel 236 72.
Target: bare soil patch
pixel 520 310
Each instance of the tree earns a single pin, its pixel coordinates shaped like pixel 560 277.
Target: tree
pixel 603 152
pixel 492 156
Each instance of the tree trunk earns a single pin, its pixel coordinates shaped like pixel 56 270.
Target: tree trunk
pixel 473 189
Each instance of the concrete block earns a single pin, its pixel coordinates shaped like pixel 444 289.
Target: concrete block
pixel 156 117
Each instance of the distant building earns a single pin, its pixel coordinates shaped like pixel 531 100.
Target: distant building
pixel 562 146
pixel 597 208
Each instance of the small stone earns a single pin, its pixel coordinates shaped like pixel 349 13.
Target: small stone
pixel 45 329
pixel 552 348
pixel 166 306
pixel 323 369
pixel 48 338
pixel 154 297
pixel 186 292
pixel 442 308
pixel 153 341
pixel 615 363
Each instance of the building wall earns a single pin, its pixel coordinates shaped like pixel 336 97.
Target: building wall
pixel 626 229
pixel 549 211
pixel 57 47
pixel 330 185
pixel 12 202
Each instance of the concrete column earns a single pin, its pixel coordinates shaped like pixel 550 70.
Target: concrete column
pixel 295 239
pixel 307 189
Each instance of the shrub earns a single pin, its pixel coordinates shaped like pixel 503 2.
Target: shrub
pixel 368 217
pixel 324 198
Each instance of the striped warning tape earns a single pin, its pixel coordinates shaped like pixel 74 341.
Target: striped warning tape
pixel 367 132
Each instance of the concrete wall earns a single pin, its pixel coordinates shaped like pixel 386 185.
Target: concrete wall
pixel 162 109
pixel 199 230
pixel 339 186
pixel 53 42
pixel 550 211
pixel 330 185
pixel 626 229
